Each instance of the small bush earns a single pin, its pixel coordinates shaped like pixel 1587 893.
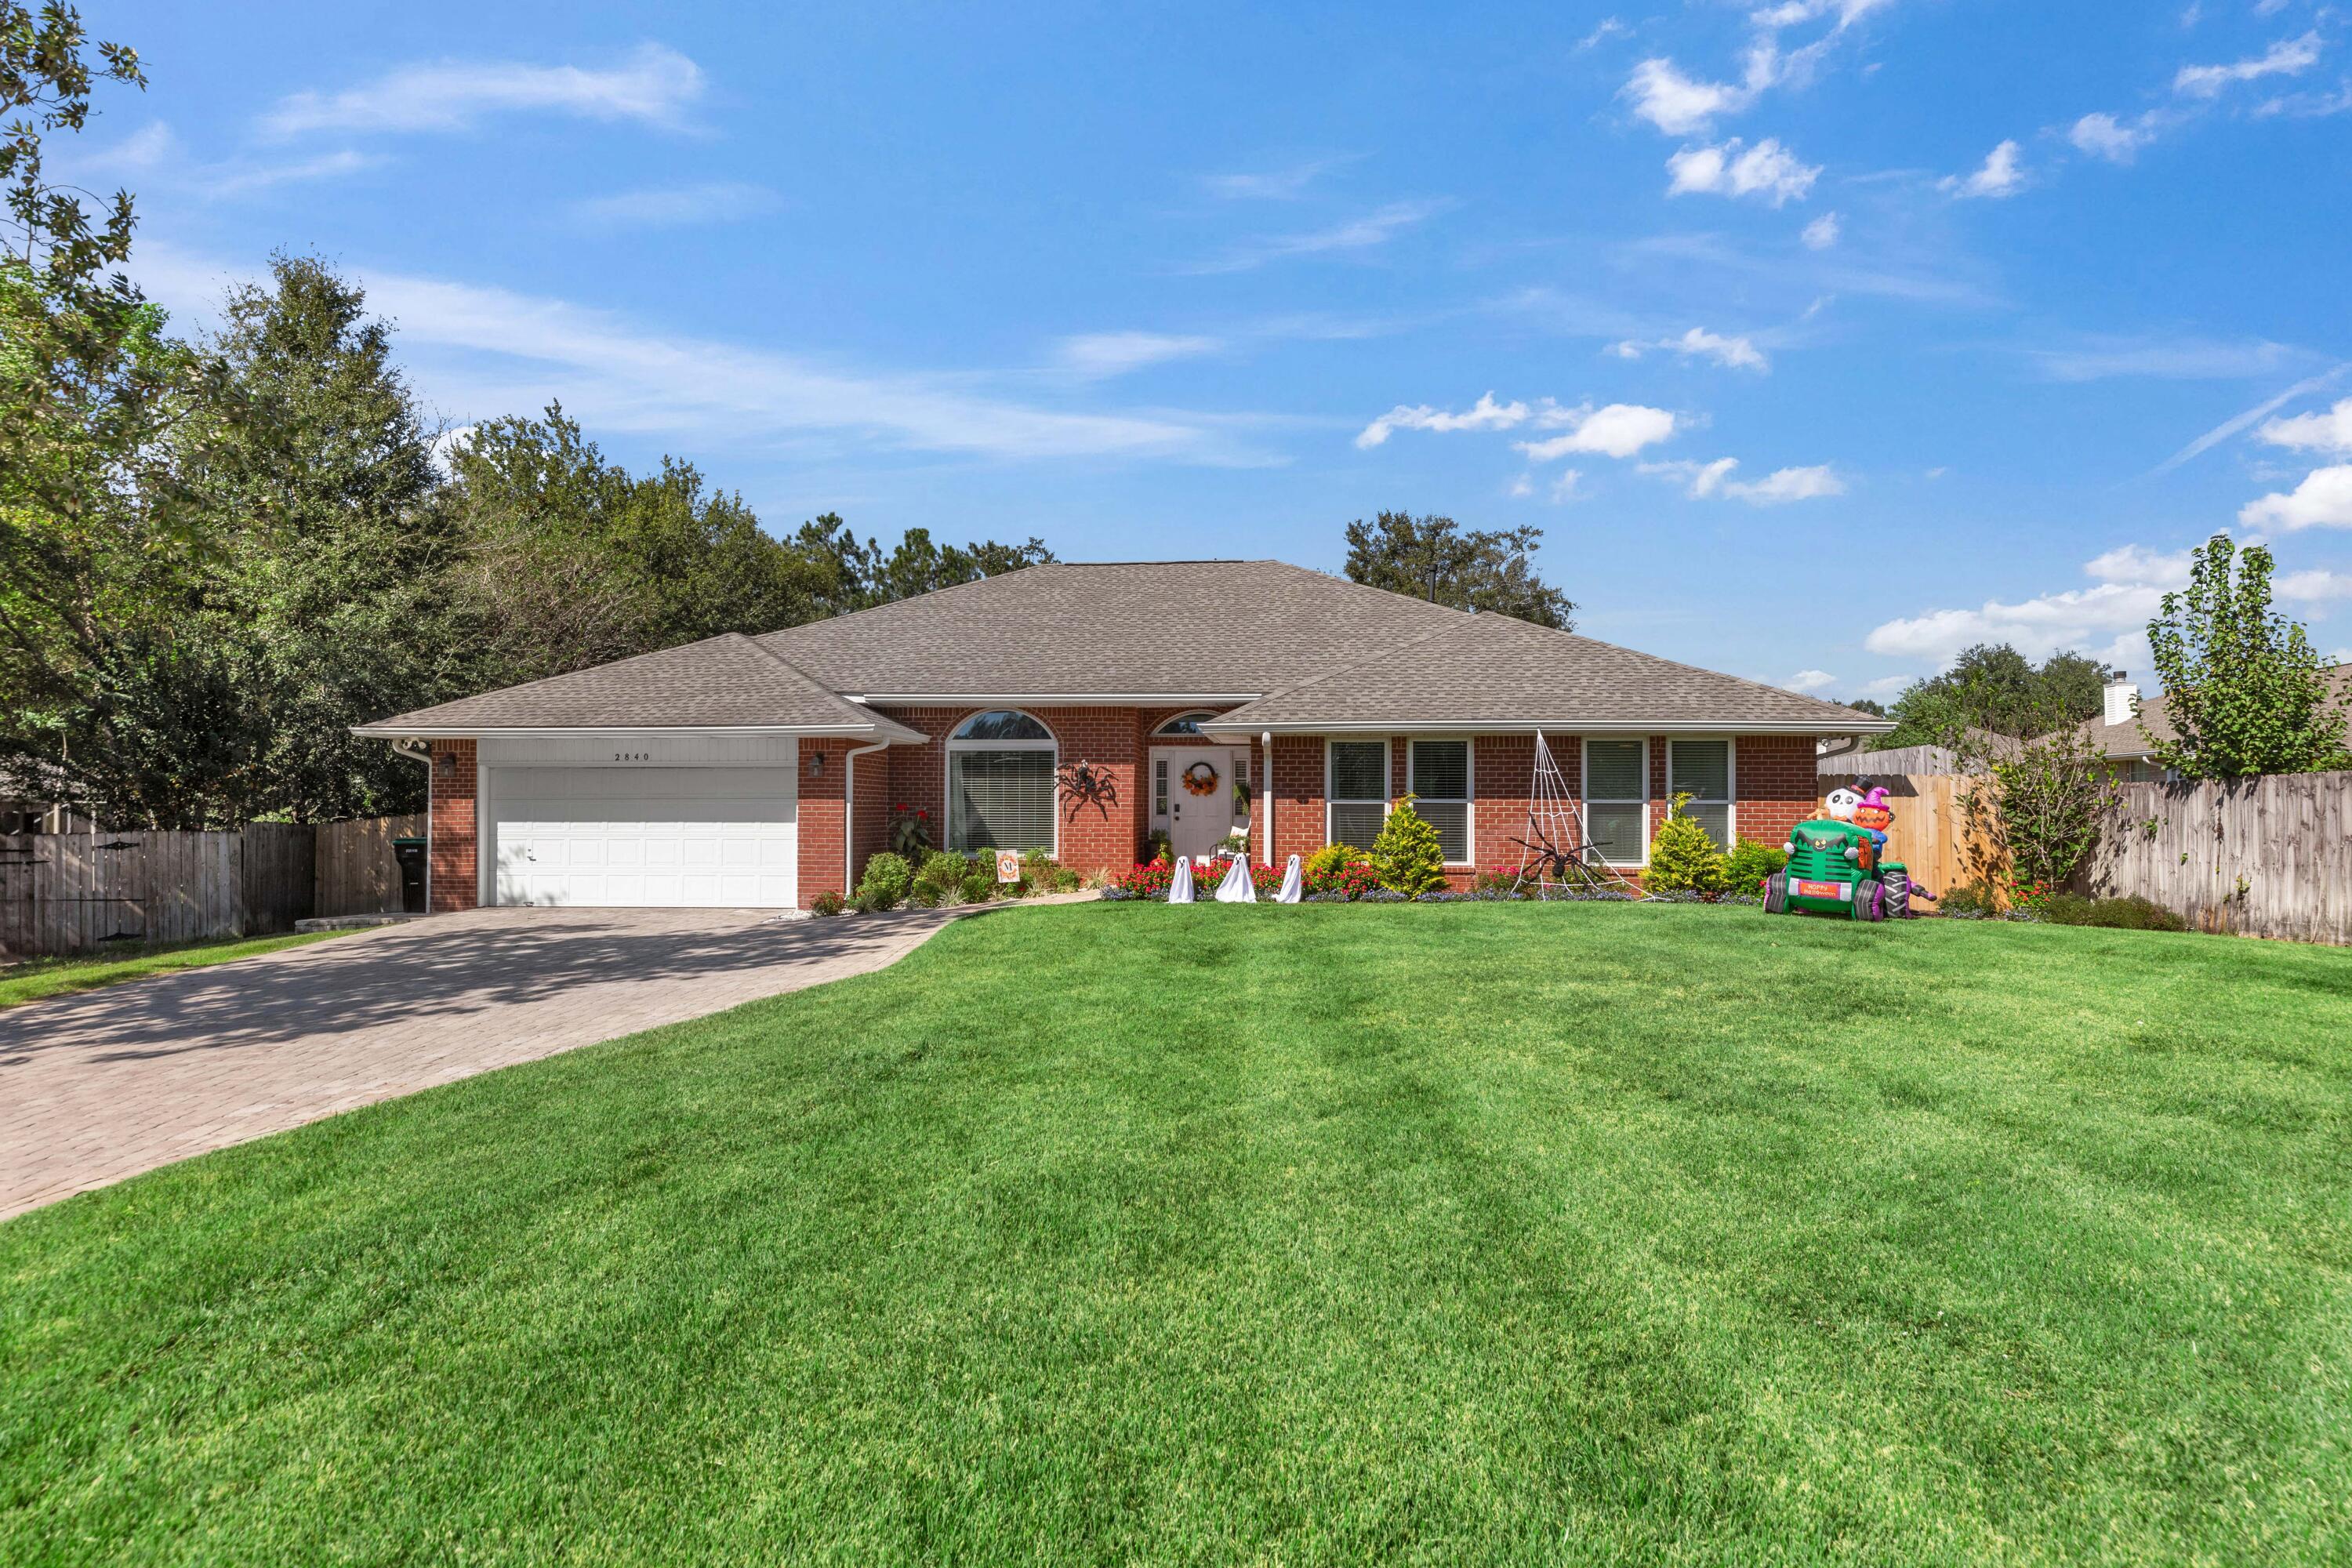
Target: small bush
pixel 1682 858
pixel 2133 913
pixel 978 888
pixel 944 870
pixel 1157 848
pixel 827 904
pixel 1969 898
pixel 886 883
pixel 924 896
pixel 1407 856
pixel 1337 872
pixel 1748 864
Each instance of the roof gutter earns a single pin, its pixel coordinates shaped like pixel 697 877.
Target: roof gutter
pixel 1045 698
pixel 849 813
pixel 881 726
pixel 1555 726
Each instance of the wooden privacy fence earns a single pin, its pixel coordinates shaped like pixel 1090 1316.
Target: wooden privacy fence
pixel 1931 834
pixel 356 871
pixel 2269 857
pixel 72 892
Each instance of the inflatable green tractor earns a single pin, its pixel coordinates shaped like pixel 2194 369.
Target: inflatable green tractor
pixel 1833 869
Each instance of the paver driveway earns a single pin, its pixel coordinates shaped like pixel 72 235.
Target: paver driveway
pixel 100 1086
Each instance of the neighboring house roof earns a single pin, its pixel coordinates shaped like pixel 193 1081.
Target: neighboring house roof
pixel 2124 743
pixel 727 682
pixel 1488 672
pixel 1303 650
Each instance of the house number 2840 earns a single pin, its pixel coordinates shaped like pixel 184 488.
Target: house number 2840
pixel 633 756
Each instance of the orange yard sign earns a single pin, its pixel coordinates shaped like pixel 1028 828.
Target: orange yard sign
pixel 1008 865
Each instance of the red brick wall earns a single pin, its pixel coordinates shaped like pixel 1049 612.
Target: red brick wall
pixel 1777 783
pixel 1298 789
pixel 824 821
pixel 452 865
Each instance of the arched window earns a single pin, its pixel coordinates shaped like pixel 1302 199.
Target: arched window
pixel 1000 782
pixel 1184 724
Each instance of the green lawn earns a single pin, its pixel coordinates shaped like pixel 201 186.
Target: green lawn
pixel 29 982
pixel 1441 1233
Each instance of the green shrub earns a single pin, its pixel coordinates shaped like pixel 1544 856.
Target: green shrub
pixel 978 888
pixel 827 903
pixel 1157 848
pixel 1044 873
pixel 925 896
pixel 1407 856
pixel 2132 913
pixel 1969 899
pixel 1682 858
pixel 1749 863
pixel 1329 861
pixel 886 883
pixel 943 871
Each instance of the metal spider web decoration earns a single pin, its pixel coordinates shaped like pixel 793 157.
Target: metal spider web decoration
pixel 1557 857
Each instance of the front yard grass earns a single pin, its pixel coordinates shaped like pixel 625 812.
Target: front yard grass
pixel 37 978
pixel 1469 1233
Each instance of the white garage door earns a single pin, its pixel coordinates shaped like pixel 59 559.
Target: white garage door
pixel 702 837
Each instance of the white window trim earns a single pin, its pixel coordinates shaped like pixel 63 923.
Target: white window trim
pixel 1469 744
pixel 1584 792
pixel 1388 779
pixel 947 770
pixel 1730 780
pixel 1161 731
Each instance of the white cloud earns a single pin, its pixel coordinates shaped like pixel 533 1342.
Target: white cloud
pixel 155 156
pixel 654 85
pixel 475 351
pixel 1733 352
pixel 2327 430
pixel 2324 499
pixel 2288 57
pixel 2094 358
pixel 1609 28
pixel 1702 481
pixel 1767 169
pixel 2314 587
pixel 717 201
pixel 1563 488
pixel 1809 680
pixel 1792 11
pixel 1374 229
pixel 1823 232
pixel 1618 430
pixel 1269 184
pixel 1484 415
pixel 2104 136
pixel 1094 355
pixel 1678 105
pixel 2132 563
pixel 1999 177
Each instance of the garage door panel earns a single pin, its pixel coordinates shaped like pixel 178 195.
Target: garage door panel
pixel 661 836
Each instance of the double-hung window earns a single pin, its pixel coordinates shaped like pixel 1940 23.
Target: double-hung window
pixel 1617 799
pixel 1001 784
pixel 1357 786
pixel 1702 770
pixel 1440 785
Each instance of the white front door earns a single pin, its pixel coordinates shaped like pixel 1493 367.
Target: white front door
pixel 722 837
pixel 1198 824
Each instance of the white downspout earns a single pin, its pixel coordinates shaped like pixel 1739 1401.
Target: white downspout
pixel 849 813
pixel 416 749
pixel 1265 789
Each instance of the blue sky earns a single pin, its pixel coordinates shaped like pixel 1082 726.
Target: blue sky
pixel 1822 337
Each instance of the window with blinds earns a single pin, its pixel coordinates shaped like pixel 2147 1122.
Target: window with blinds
pixel 1357 791
pixel 1702 770
pixel 1440 783
pixel 1001 800
pixel 1616 799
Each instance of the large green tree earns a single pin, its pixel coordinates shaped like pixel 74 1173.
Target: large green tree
pixel 2245 691
pixel 1435 558
pixel 1994 688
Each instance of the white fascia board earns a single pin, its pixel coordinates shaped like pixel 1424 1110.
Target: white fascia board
pixel 1554 726
pixel 884 729
pixel 1042 699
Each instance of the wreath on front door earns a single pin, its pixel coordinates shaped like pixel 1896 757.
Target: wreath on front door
pixel 1201 778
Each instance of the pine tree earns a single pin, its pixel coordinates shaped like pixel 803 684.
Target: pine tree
pixel 1407 856
pixel 1682 856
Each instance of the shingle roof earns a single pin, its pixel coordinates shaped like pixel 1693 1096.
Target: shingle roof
pixel 1311 650
pixel 2124 743
pixel 723 683
pixel 1493 671
pixel 1184 629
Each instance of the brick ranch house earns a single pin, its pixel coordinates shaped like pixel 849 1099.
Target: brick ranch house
pixel 747 771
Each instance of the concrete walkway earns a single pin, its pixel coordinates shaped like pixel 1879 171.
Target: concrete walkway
pixel 103 1085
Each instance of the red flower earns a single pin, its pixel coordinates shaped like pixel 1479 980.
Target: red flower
pixel 922 816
